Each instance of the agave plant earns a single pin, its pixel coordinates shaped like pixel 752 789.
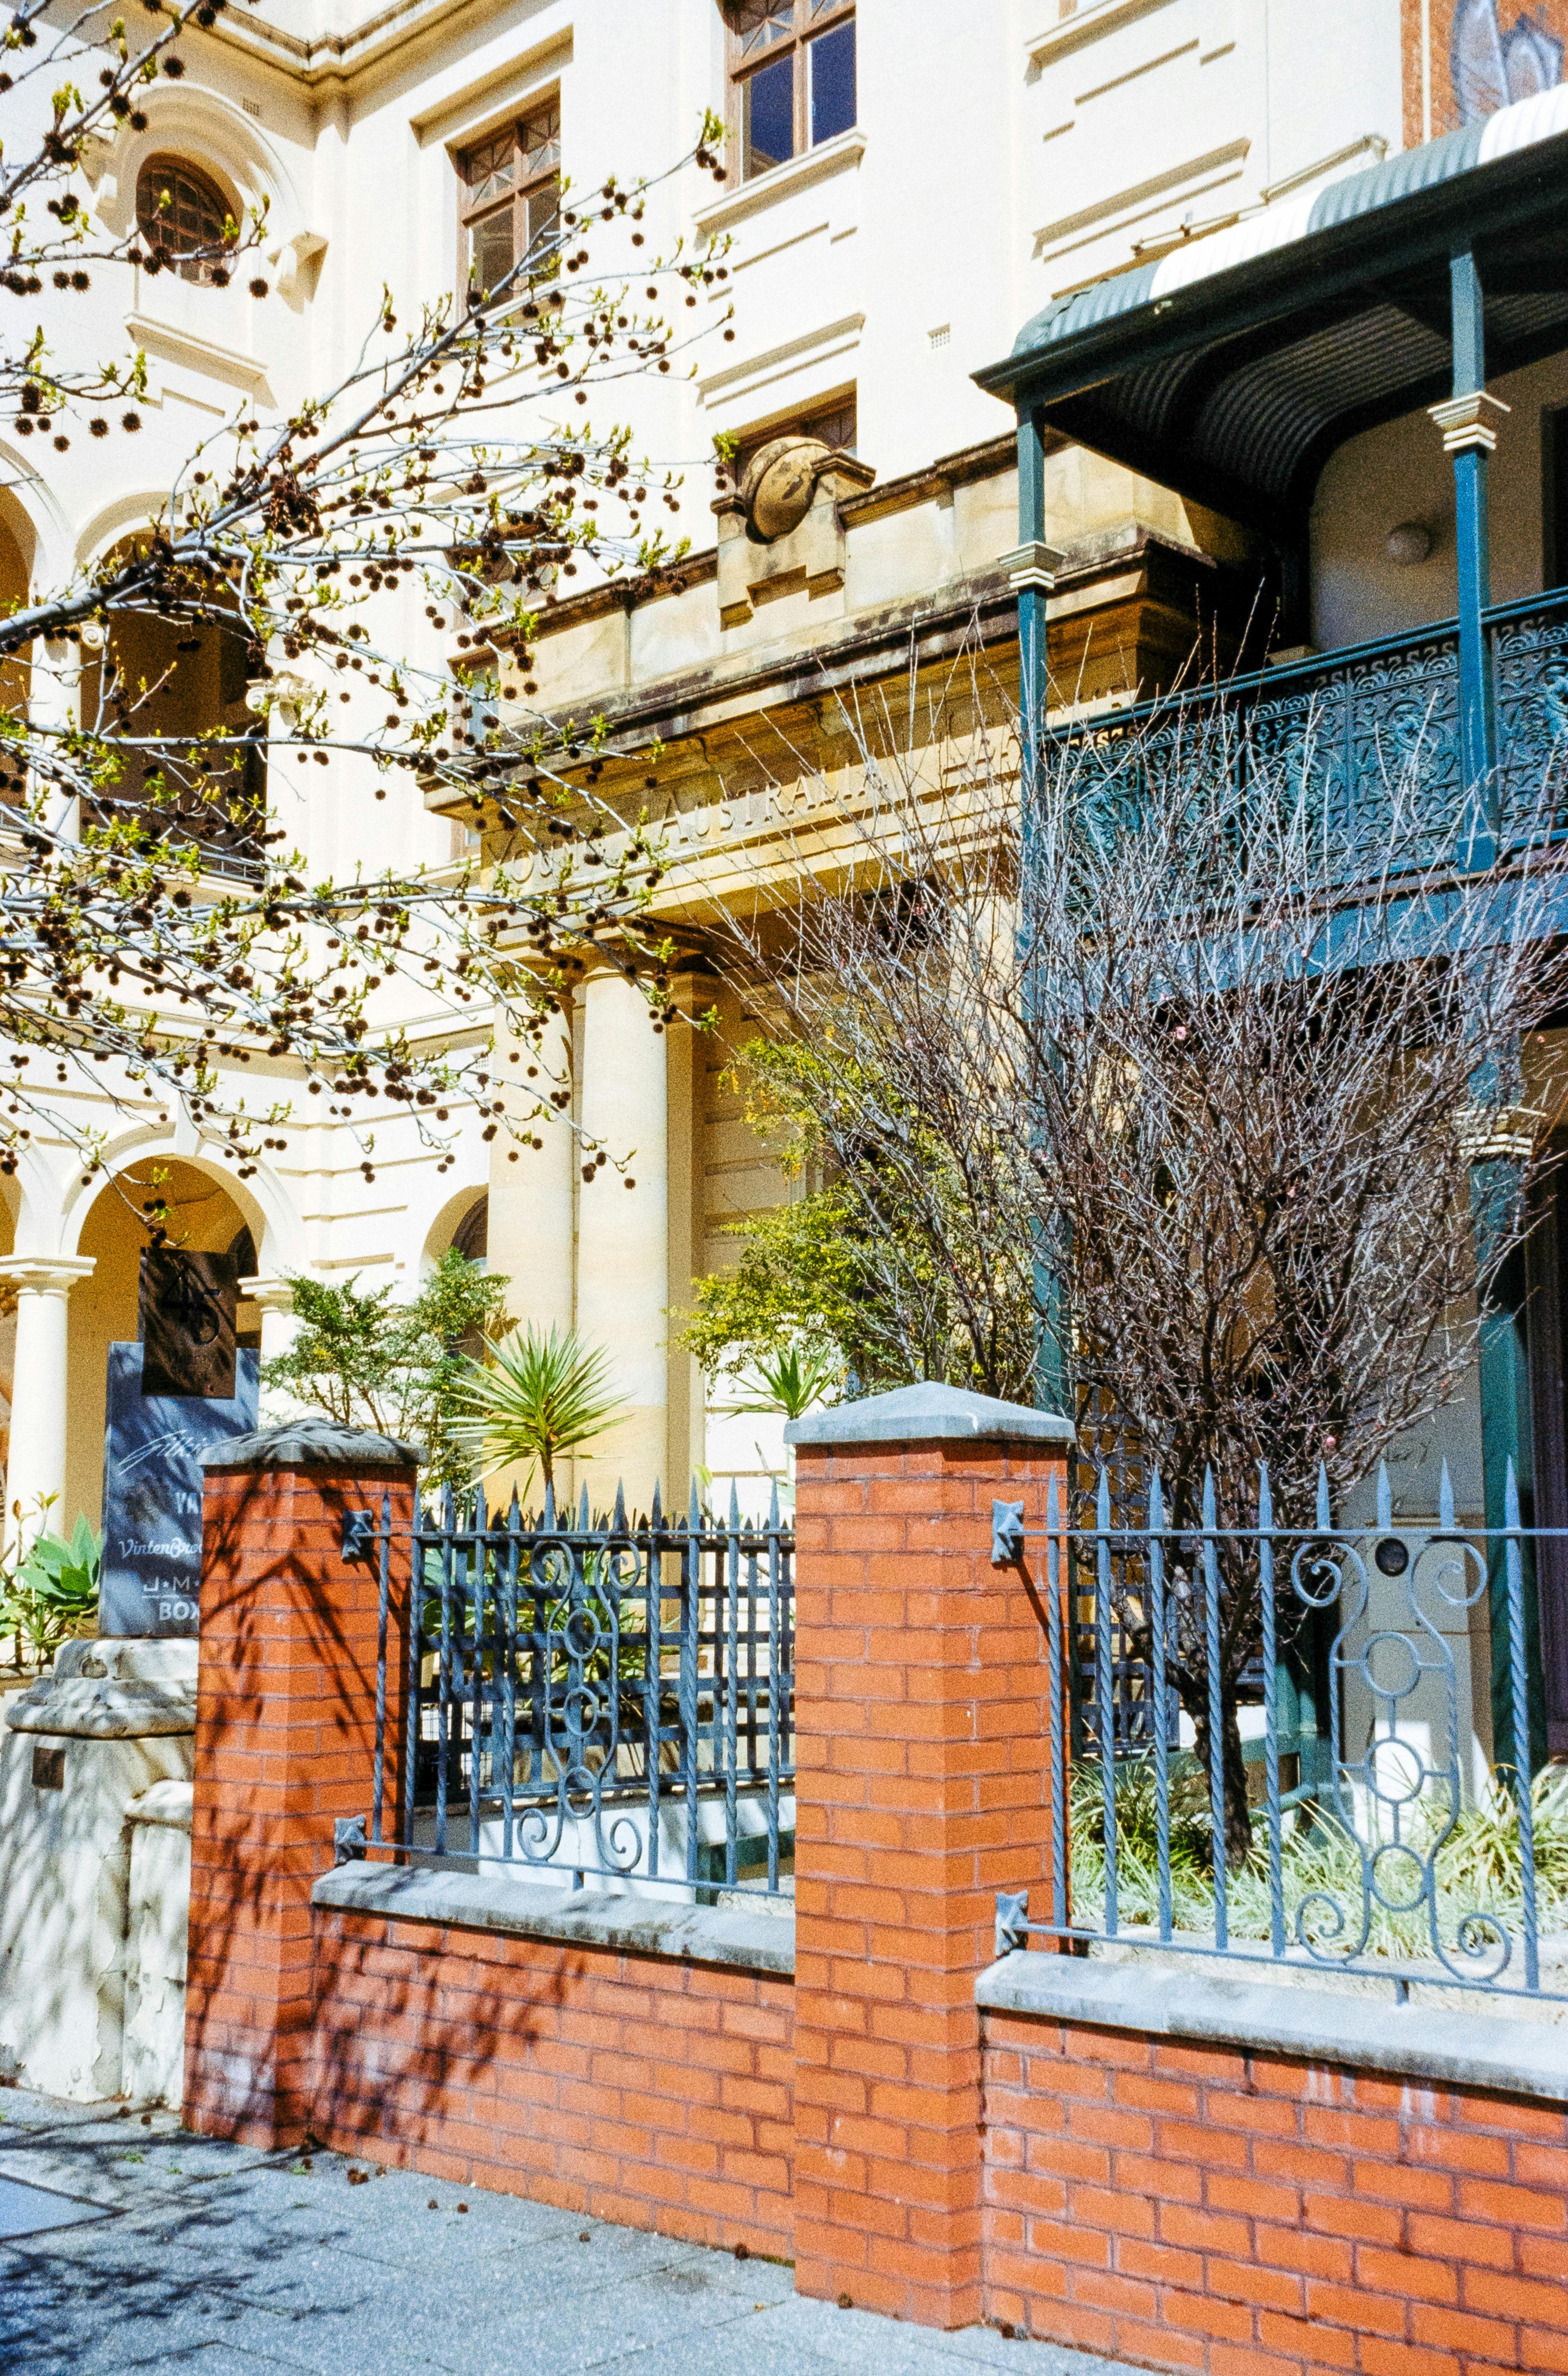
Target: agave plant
pixel 792 1380
pixel 539 1395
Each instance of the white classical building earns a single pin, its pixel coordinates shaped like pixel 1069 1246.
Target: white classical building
pixel 909 181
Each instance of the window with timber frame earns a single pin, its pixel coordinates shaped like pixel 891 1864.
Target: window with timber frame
pixel 792 77
pixel 509 195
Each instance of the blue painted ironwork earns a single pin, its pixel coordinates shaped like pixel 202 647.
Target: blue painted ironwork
pixel 1478 730
pixel 1346 726
pixel 1370 1890
pixel 605 1696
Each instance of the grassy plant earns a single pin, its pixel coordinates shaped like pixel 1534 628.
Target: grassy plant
pixel 1477 1868
pixel 792 1380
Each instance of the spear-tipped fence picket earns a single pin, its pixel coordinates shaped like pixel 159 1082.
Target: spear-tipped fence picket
pixel 1351 1648
pixel 605 1695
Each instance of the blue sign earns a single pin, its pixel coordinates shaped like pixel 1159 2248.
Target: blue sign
pixel 152 1480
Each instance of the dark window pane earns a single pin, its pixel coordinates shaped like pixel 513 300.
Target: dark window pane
pixel 832 62
pixel 769 130
pixel 179 210
pixel 544 213
pixel 490 248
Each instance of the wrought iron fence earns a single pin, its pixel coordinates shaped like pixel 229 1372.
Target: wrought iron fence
pixel 611 1696
pixel 1368 1834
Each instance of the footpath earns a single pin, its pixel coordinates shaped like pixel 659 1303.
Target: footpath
pixel 126 2244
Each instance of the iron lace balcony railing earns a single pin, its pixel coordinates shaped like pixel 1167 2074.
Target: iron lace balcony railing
pixel 1366 1869
pixel 607 1696
pixel 1349 723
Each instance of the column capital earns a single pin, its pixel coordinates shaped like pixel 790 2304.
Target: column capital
pixel 1464 423
pixel 46 1274
pixel 1034 563
pixel 273 1293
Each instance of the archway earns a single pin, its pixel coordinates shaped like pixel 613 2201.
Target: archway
pixel 462 1223
pixel 201 1215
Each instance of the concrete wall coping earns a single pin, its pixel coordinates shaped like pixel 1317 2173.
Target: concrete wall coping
pixel 632 1924
pixel 313 1441
pixel 1512 2058
pixel 78 1708
pixel 168 1804
pixel 928 1414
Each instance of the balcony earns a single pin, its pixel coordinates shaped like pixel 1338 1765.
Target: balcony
pixel 1354 722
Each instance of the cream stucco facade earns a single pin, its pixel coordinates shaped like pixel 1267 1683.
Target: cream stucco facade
pixel 1001 155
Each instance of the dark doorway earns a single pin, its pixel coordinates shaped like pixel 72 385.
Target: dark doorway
pixel 1554 498
pixel 1546 1260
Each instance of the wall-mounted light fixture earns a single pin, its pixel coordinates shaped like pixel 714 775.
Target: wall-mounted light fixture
pixel 1408 544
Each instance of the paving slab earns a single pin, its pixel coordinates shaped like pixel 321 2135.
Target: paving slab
pixel 181 2253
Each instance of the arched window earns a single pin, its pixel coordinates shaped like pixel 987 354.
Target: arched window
pixel 183 219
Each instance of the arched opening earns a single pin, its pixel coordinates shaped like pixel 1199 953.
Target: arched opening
pixel 185 220
pixel 172 688
pixel 201 1215
pixel 471 1236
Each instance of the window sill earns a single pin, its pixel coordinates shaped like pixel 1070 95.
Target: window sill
pixel 832 157
pixel 174 343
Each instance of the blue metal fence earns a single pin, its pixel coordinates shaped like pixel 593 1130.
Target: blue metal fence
pixel 603 1695
pixel 1387 1853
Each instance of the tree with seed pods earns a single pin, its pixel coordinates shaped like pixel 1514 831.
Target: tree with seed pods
pixel 156 931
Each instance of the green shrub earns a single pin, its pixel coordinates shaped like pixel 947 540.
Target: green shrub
pixel 52 1595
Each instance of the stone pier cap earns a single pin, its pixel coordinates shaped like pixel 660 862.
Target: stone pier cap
pixel 313 1442
pixel 930 1414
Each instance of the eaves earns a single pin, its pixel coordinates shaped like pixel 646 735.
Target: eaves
pixel 344 57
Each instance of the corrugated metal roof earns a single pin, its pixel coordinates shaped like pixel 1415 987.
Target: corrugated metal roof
pixel 1230 369
pixel 1347 200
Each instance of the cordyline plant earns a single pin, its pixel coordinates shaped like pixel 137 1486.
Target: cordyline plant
pixel 1152 1061
pixel 155 928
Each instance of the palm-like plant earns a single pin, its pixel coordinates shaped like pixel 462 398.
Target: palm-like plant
pixel 793 1379
pixel 541 1394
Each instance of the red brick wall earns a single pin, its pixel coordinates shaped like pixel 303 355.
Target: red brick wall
pixel 1251 2216
pixel 922 1745
pixel 635 2088
pixel 284 1745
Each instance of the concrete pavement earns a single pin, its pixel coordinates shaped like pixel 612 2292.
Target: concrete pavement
pixel 149 2249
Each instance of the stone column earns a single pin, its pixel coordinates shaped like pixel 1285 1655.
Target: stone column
pixel 275 1299
pixel 54 701
pixel 531 1221
pixel 922 1789
pixel 37 1465
pixel 622 1234
pixel 285 1746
